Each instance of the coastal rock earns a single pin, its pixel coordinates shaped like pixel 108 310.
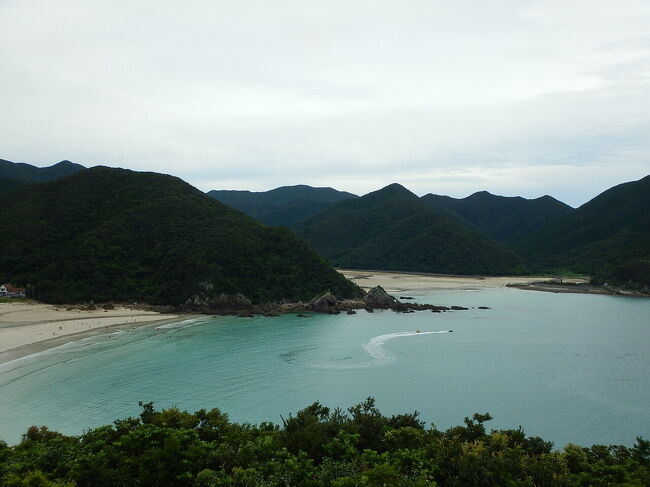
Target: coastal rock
pixel 378 298
pixel 221 303
pixel 352 312
pixel 325 303
pixel 230 302
pixel 458 308
pixel 108 306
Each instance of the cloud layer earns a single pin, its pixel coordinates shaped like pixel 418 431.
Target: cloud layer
pixel 515 97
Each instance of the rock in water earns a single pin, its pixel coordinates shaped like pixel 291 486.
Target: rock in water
pixel 325 303
pixel 378 298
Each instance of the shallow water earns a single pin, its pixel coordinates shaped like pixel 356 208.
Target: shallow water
pixel 567 367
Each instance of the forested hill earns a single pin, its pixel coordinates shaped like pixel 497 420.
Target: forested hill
pixel 393 229
pixel 611 230
pixel 505 219
pixel 27 173
pixel 113 234
pixel 7 184
pixel 285 206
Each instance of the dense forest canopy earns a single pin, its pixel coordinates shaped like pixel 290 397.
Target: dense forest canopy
pixel 608 233
pixel 284 206
pixel 112 234
pixel 504 219
pixel 392 229
pixel 317 447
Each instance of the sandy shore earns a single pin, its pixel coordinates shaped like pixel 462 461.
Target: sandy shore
pixel 28 327
pixel 411 282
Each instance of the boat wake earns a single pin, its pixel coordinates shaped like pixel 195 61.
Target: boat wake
pixel 375 348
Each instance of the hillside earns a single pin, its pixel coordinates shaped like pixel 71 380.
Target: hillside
pixel 113 234
pixel 609 231
pixel 393 229
pixel 7 184
pixel 284 206
pixel 505 219
pixel 31 174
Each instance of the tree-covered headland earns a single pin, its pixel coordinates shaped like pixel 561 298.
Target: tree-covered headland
pixel 316 447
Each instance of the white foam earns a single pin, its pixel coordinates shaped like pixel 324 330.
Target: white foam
pixel 375 348
pixel 181 324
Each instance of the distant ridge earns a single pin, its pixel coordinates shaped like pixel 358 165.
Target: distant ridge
pixel 393 229
pixel 29 174
pixel 505 219
pixel 118 235
pixel 283 206
pixel 607 232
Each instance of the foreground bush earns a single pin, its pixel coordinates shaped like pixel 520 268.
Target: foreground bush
pixel 316 447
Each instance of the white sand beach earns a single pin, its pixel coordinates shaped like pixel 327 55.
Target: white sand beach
pixel 405 282
pixel 26 327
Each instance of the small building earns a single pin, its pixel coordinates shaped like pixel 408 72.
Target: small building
pixel 11 291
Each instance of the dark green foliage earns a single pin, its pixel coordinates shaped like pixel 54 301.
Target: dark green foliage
pixel 608 232
pixel 505 219
pixel 317 447
pixel 7 184
pixel 284 206
pixel 393 229
pixel 633 274
pixel 31 174
pixel 117 235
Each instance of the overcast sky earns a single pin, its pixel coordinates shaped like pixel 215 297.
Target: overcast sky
pixel 514 97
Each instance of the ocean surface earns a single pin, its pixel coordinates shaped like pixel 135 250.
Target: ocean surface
pixel 566 367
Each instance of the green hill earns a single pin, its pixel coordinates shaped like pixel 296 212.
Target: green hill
pixel 7 184
pixel 610 231
pixel 393 229
pixel 31 174
pixel 505 219
pixel 284 206
pixel 113 234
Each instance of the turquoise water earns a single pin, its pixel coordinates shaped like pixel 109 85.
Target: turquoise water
pixel 566 367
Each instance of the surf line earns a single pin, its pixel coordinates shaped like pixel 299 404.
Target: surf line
pixel 375 348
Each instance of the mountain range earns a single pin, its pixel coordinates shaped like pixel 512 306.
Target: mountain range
pixel 504 219
pixel 394 229
pixel 16 174
pixel 284 206
pixel 124 230
pixel 607 233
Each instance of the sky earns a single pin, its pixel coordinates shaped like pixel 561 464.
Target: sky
pixel 519 98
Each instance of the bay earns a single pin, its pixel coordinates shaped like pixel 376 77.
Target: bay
pixel 566 367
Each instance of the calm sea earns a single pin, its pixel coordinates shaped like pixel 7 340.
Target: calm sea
pixel 566 367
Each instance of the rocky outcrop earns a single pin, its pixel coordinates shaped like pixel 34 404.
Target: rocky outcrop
pixel 207 301
pixel 378 298
pixel 325 303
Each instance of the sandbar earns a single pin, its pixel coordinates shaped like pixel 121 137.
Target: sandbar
pixel 411 282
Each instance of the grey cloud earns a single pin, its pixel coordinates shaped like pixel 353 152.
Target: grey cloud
pixel 348 94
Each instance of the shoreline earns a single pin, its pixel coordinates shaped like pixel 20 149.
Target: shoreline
pixel 397 282
pixel 29 327
pixel 576 289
